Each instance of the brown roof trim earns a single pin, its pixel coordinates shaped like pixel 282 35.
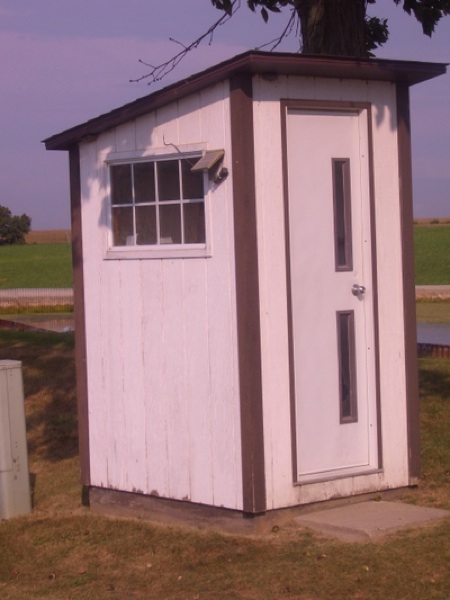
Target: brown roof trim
pixel 252 62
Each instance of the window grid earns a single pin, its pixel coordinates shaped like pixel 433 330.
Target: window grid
pixel 158 218
pixel 159 206
pixel 133 198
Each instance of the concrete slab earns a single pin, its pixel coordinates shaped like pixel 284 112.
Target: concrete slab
pixel 370 520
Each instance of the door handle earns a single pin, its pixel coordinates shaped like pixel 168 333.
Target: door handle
pixel 358 290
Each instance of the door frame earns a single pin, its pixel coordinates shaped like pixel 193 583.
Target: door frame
pixel 332 106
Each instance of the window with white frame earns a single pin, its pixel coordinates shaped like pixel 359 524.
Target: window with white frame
pixel 157 203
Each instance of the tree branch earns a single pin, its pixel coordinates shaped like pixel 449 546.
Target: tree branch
pixel 291 24
pixel 158 72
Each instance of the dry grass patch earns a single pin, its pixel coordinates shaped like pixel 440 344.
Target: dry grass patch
pixel 84 557
pixel 63 552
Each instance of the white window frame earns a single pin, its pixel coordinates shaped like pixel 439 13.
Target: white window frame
pixel 160 251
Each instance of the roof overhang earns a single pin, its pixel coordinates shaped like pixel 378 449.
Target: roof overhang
pixel 252 63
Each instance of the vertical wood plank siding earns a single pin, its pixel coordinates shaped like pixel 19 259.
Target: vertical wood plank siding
pixel 380 100
pixel 185 362
pixel 162 342
pixel 247 294
pixel 79 314
pixel 409 301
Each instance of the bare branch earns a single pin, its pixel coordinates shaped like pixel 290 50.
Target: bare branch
pixel 291 24
pixel 159 71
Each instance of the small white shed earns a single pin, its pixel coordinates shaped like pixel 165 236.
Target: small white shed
pixel 244 284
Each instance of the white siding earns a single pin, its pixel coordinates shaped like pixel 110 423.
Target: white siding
pixel 161 333
pixel 272 272
pixel 162 360
pixel 273 293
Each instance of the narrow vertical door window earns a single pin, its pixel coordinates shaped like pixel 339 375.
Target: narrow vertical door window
pixel 342 214
pixel 347 367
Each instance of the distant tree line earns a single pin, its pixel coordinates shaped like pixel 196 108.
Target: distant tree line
pixel 13 228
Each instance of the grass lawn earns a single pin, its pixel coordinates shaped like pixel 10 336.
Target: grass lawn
pixel 62 551
pixel 432 254
pixel 433 312
pixel 45 261
pixel 36 266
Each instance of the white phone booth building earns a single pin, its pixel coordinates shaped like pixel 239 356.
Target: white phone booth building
pixel 244 285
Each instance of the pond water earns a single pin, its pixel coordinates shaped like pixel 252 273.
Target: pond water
pixel 427 333
pixel 59 322
pixel 433 333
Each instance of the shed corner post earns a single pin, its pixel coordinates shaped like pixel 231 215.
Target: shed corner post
pixel 409 298
pixel 79 314
pixel 247 295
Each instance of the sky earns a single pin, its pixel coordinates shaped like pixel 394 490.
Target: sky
pixel 66 61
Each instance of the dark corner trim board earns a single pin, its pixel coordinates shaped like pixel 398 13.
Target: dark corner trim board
pixel 80 324
pixel 247 295
pixel 284 105
pixel 409 299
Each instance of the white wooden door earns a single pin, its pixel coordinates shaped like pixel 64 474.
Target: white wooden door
pixel 331 293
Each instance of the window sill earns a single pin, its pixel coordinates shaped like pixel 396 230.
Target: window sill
pixel 157 252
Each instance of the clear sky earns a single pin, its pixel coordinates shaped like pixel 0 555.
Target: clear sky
pixel 66 61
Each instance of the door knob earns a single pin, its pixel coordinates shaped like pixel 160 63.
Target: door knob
pixel 358 290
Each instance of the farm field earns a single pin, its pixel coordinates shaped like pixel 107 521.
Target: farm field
pixel 36 266
pixel 45 261
pixel 432 254
pixel 433 312
pixel 49 236
pixel 64 551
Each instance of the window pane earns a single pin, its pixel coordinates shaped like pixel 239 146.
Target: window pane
pixel 342 214
pixel 121 184
pixel 144 182
pixel 170 224
pixel 168 180
pixel 122 222
pixel 147 207
pixel 347 366
pixel 192 182
pixel 146 225
pixel 194 223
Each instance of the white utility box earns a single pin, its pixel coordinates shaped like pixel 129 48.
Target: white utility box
pixel 15 498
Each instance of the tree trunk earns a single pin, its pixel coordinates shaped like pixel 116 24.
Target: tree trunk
pixel 333 27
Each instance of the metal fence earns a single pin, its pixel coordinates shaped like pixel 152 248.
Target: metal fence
pixel 432 292
pixel 433 350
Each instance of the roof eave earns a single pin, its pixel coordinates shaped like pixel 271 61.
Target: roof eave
pixel 252 62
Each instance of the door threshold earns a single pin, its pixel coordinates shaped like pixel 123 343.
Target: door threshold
pixel 312 478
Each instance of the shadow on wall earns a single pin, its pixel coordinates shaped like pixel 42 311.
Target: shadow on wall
pixel 49 387
pixel 434 383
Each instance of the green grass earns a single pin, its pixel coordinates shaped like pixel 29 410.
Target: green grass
pixel 432 254
pixel 63 551
pixel 49 264
pixel 433 312
pixel 36 266
pixel 435 421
